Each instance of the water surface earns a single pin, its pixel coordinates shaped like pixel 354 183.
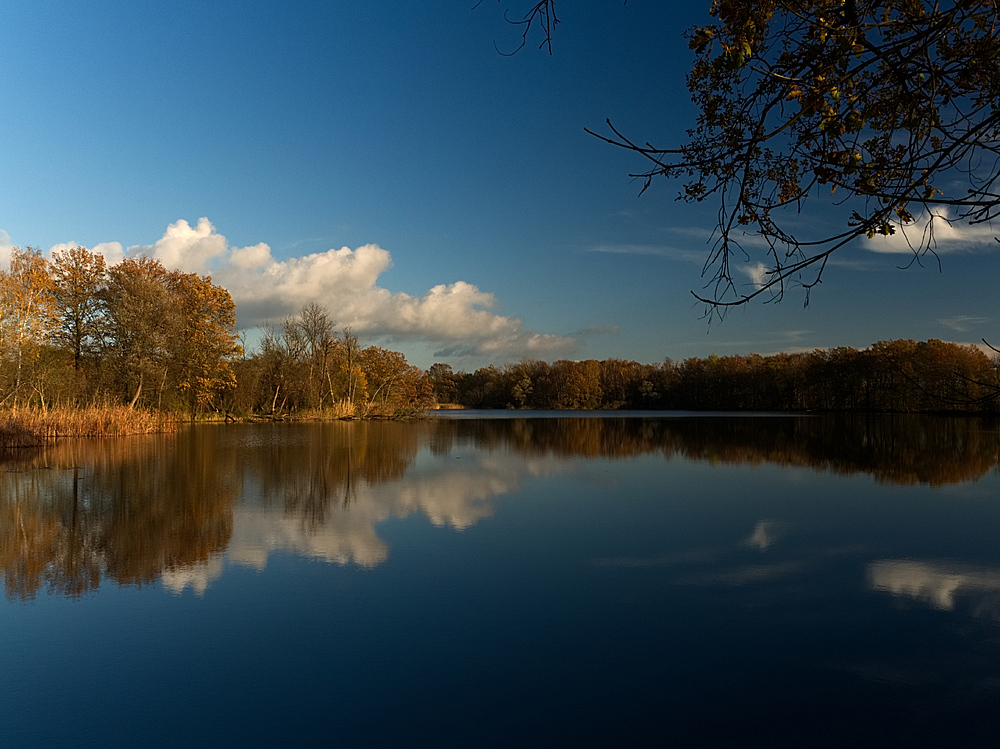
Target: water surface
pixel 780 581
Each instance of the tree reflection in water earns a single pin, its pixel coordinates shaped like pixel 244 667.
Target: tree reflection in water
pixel 896 449
pixel 124 510
pixel 136 510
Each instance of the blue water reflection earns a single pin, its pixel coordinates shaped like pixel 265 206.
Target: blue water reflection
pixel 504 582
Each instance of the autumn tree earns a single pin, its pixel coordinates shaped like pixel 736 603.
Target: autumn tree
pixel 78 277
pixel 883 113
pixel 578 384
pixel 393 384
pixel 203 341
pixel 139 325
pixel 27 312
pixel 443 380
pixel 351 375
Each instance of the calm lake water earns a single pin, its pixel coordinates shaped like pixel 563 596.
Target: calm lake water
pixel 648 581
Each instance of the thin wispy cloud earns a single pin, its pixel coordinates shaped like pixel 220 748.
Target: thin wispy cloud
pixel 608 329
pixel 787 341
pixel 852 264
pixel 631 249
pixel 652 250
pixel 454 317
pixel 963 323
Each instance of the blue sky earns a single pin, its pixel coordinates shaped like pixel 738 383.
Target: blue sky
pixel 383 159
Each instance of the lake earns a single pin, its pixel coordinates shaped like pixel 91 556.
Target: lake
pixel 496 580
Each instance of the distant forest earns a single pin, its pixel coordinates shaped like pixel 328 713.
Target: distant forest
pixel 75 332
pixel 891 376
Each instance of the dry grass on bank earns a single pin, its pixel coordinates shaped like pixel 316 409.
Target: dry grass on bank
pixel 30 427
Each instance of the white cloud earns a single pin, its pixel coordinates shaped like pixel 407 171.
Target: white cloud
pixel 5 248
pixel 111 251
pixel 189 248
pixel 946 235
pixel 457 318
pixel 757 274
pixel 251 258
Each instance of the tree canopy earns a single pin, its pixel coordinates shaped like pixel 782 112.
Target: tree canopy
pixel 881 113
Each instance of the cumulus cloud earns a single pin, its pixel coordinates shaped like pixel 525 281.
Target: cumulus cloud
pixel 942 230
pixel 457 318
pixel 111 251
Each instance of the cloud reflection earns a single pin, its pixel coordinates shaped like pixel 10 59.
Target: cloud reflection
pixel 765 534
pixel 449 493
pixel 747 574
pixel 938 584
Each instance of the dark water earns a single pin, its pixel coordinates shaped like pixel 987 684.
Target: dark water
pixel 506 582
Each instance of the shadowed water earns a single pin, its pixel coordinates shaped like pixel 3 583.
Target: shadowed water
pixel 494 581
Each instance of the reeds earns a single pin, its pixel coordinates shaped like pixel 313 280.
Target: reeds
pixel 30 427
pixel 342 409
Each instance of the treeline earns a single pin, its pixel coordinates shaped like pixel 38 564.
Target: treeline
pixel 76 332
pixel 899 376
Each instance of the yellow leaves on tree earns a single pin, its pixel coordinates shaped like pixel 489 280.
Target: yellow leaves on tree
pixel 27 311
pixel 78 278
pixel 205 337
